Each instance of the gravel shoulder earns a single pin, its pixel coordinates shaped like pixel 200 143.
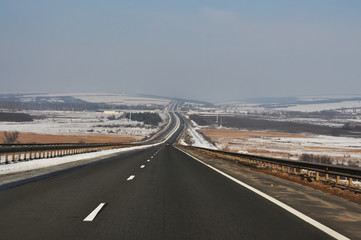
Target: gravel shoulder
pixel 337 213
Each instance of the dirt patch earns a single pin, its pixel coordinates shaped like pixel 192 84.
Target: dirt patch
pixel 48 138
pixel 343 193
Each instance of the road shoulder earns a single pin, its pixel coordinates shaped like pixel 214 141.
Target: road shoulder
pixel 339 214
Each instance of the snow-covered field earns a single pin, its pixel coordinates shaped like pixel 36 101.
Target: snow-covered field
pixel 303 104
pixel 46 162
pixel 82 123
pixel 110 98
pixel 321 106
pixel 290 146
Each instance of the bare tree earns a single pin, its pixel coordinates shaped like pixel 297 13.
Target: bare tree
pixel 10 137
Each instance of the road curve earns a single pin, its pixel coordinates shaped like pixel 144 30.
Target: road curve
pixel 156 193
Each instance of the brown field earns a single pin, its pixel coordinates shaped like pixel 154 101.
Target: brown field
pixel 266 144
pixel 245 134
pixel 25 137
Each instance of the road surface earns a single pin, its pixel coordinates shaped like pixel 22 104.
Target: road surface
pixel 156 193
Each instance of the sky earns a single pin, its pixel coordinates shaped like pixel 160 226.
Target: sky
pixel 206 50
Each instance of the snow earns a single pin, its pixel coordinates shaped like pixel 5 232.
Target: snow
pixel 82 123
pixel 110 98
pixel 42 163
pixel 194 123
pixel 322 106
pixel 344 149
pixel 198 140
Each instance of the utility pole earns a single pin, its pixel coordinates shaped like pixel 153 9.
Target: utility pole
pixel 130 113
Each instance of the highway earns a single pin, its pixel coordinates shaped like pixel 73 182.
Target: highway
pixel 155 193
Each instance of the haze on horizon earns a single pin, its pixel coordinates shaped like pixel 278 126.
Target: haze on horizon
pixel 206 50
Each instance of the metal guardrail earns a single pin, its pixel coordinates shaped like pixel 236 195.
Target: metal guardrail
pixel 27 152
pixel 8 148
pixel 316 171
pixel 23 152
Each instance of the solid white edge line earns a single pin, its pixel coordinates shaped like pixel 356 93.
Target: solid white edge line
pixel 131 177
pixel 300 215
pixel 94 213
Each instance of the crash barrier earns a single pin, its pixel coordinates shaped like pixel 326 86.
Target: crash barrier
pixel 25 152
pixel 340 176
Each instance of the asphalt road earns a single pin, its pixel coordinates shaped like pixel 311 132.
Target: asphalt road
pixel 157 193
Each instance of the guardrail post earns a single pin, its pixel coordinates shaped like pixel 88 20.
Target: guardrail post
pixel 350 184
pixel 327 177
pixel 283 168
pixel 19 156
pixel 338 179
pixel 295 171
pixel 317 176
pixel 6 158
pixel 13 157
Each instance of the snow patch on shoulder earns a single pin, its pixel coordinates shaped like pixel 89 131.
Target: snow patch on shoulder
pixel 48 162
pixel 198 140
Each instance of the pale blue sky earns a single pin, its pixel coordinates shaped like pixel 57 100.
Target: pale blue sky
pixel 208 50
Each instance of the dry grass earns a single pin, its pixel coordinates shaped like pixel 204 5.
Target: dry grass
pixel 25 137
pixel 268 144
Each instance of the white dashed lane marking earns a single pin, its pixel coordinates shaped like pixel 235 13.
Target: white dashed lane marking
pixel 94 213
pixel 131 177
pixel 143 166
